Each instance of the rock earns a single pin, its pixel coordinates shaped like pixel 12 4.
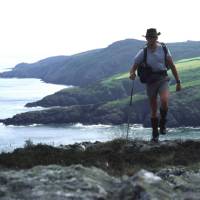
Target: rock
pixel 80 183
pixel 184 182
pixel 56 182
pixel 145 185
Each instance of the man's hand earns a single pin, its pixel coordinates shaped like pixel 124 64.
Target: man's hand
pixel 132 76
pixel 178 87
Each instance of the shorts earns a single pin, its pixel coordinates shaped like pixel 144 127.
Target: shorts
pixel 156 88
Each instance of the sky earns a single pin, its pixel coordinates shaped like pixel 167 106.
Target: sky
pixel 35 29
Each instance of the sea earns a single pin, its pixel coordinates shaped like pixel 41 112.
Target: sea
pixel 15 93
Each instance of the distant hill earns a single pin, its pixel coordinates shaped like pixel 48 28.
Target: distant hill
pixel 88 67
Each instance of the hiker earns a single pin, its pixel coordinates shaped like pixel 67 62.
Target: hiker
pixel 157 80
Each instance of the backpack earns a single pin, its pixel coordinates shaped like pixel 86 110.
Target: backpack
pixel 144 71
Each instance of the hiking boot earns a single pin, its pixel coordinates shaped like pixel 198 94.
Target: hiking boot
pixel 155 140
pixel 162 123
pixel 155 133
pixel 162 126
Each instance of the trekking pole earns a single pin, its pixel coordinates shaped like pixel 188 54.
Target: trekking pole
pixel 130 104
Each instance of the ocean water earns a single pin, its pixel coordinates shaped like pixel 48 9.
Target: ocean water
pixel 15 93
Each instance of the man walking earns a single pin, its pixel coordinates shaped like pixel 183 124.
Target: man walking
pixel 158 83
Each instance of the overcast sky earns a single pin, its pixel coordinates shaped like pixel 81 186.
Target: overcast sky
pixel 36 29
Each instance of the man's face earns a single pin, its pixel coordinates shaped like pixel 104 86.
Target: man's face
pixel 151 40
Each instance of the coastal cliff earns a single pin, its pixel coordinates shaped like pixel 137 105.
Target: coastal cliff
pixel 183 112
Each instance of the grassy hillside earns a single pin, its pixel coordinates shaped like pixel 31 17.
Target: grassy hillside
pixel 189 70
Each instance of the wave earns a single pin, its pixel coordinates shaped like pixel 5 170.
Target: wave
pixel 80 125
pixel 24 126
pixel 136 126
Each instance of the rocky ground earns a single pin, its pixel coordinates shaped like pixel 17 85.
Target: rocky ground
pixel 115 170
pixel 83 183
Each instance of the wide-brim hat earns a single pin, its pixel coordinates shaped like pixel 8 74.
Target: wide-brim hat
pixel 152 32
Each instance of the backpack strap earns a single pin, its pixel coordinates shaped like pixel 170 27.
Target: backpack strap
pixel 165 51
pixel 145 55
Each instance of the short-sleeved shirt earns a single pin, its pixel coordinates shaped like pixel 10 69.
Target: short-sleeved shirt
pixel 155 59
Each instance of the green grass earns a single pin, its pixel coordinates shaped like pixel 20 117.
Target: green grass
pixel 115 79
pixel 188 65
pixel 187 60
pixel 125 101
pixel 122 76
pixel 189 72
pixel 187 84
pixel 71 90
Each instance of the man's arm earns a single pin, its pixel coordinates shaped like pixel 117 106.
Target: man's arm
pixel 138 59
pixel 174 72
pixel 133 70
